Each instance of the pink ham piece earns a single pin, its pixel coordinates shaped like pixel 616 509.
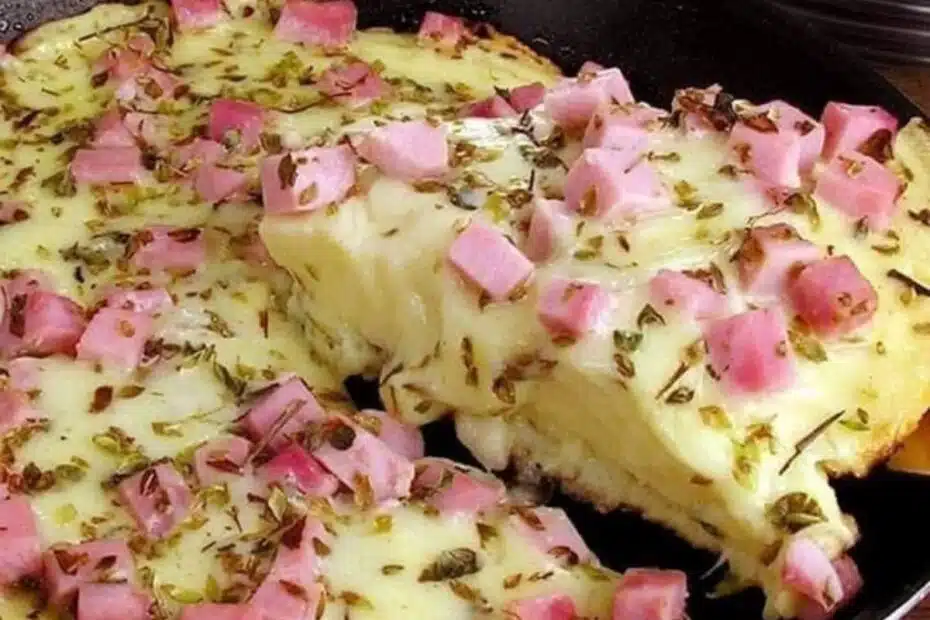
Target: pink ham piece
pixel 454 489
pixel 24 373
pixel 589 67
pixel 768 255
pixel 551 607
pixel 860 187
pixel 237 124
pixel 687 296
pixel 549 223
pixel 773 155
pixel 353 455
pixel 355 85
pixel 571 308
pixel 749 352
pixel 492 107
pixel 148 87
pixel 850 126
pixel 152 129
pixel 67 567
pixel 173 250
pixel 330 23
pixel 196 14
pixel 307 180
pixel 109 131
pixel 624 128
pixel 157 498
pixel 850 580
pixel 215 184
pixel 445 30
pixel 112 601
pixel 602 183
pixel 108 165
pixel 53 324
pixel 278 599
pixel 219 459
pixel 649 594
pixel 407 150
pixel 404 439
pixel 115 337
pixel 295 467
pixel 147 301
pixel 833 297
pixel 196 153
pixel 527 97
pixel 808 571
pixel 790 119
pixel 15 410
pixel 216 611
pixel 485 257
pixel 284 409
pixel 141 43
pixel 19 537
pixel 572 102
pixel 550 531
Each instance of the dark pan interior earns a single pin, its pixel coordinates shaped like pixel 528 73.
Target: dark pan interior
pixel 662 45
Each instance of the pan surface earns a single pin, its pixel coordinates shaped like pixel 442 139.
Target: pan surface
pixel 756 52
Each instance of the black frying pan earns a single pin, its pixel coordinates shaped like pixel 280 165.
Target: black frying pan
pixel 662 45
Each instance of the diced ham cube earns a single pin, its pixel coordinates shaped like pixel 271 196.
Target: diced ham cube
pixel 174 250
pixel 121 63
pixel 550 607
pixel 851 581
pixel 790 119
pixel 15 410
pixel 407 150
pixel 19 538
pixel 108 165
pixel 53 324
pixel 307 180
pixel 769 254
pixel 572 102
pixel 850 126
pixel 749 352
pixel 404 439
pixel 147 88
pixel 147 301
pixel 686 295
pixel 590 67
pixel 446 30
pixel 330 23
pixel 696 108
pixel 808 571
pixel 364 463
pixel 355 85
pixel 832 296
pixel 295 467
pixel 485 257
pixel 216 611
pixel 550 531
pixel 453 489
pixel 492 107
pixel 571 308
pixel 24 373
pixel 773 155
pixel 527 97
pixel 624 128
pixel 285 408
pixel 110 131
pixel 549 223
pixel 112 601
pixel 26 281
pixel 152 129
pixel 157 498
pixel 67 567
pixel 220 458
pixel 195 14
pixel 115 337
pixel 281 600
pixel 649 594
pixel 198 152
pixel 237 124
pixel 215 184
pixel 602 183
pixel 860 187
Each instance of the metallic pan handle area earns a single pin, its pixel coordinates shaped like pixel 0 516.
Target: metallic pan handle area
pixel 19 16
